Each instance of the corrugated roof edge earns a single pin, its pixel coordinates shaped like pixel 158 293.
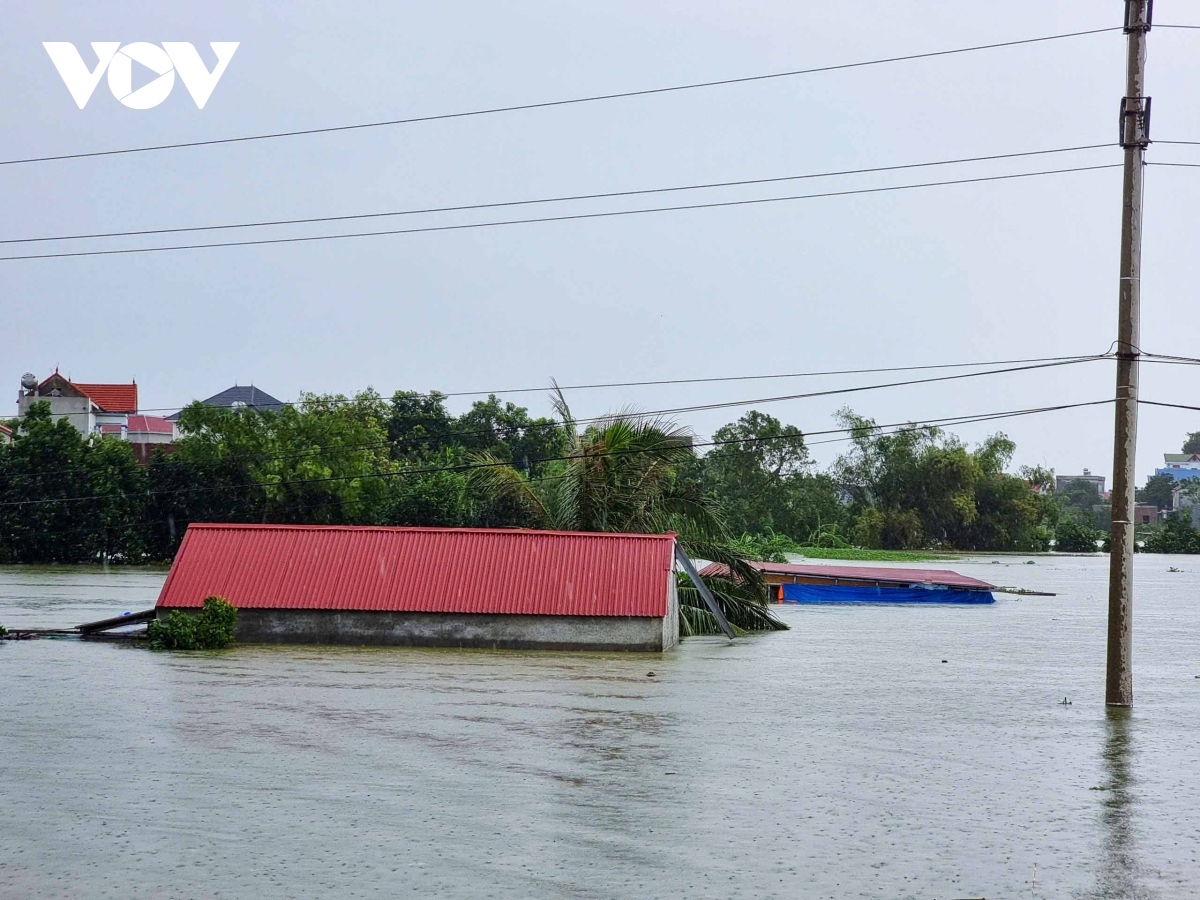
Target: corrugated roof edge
pixel 669 536
pixel 426 530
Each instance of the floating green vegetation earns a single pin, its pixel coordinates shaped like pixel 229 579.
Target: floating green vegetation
pixel 210 629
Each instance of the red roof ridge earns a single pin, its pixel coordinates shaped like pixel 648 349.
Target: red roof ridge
pixel 282 526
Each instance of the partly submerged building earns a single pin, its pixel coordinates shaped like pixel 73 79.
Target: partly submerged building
pixel 456 587
pixel 817 583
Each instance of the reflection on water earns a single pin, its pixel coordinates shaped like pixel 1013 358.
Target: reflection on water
pixel 1119 864
pixel 876 753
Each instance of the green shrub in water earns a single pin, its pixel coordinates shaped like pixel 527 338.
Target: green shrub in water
pixel 210 629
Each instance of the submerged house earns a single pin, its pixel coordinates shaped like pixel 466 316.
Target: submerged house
pixel 809 583
pixel 451 587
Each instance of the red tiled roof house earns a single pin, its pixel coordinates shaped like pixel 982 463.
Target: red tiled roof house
pixel 91 408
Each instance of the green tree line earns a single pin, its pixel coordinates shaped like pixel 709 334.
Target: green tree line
pixel 406 460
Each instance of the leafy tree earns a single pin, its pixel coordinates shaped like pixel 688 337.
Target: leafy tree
pixel 1071 537
pixel 760 472
pixel 317 461
pixel 211 628
pixel 419 423
pixel 1192 444
pixel 508 432
pixel 67 498
pixel 916 487
pixel 621 474
pixel 1159 490
pixel 1080 494
pixel 1177 535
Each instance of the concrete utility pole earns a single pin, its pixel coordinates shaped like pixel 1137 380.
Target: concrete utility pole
pixel 1135 135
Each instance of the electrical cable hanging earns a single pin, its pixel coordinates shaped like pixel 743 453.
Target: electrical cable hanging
pixel 723 204
pixel 561 199
pixel 619 95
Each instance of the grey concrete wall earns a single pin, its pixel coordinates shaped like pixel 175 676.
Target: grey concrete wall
pixel 415 629
pixel 76 409
pixel 670 622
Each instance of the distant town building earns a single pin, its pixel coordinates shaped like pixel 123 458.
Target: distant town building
pixel 1180 466
pixel 91 408
pixel 240 397
pixel 1061 481
pixel 1145 514
pixel 1183 501
pixel 5 434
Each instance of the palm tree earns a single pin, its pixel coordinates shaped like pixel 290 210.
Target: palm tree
pixel 621 473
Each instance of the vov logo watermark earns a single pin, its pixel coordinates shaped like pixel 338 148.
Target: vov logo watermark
pixel 118 60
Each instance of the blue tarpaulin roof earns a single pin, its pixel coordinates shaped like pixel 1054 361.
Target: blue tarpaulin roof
pixel 828 593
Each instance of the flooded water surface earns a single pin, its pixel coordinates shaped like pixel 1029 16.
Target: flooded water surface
pixel 871 752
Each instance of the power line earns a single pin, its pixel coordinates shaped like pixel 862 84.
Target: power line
pixel 1170 405
pixel 564 218
pixel 561 199
pixel 709 380
pixel 1175 165
pixel 551 424
pixel 872 387
pixel 619 95
pixel 464 467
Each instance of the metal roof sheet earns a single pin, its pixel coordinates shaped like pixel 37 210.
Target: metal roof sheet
pixel 150 424
pixel 454 570
pixel 868 573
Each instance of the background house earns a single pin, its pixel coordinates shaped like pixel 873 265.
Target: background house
pixel 240 397
pixel 5 434
pixel 1061 481
pixel 1180 466
pixel 89 407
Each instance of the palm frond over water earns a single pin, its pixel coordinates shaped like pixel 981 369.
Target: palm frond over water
pixel 621 474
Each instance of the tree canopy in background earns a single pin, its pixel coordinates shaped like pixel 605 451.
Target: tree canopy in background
pixel 1159 490
pixel 408 460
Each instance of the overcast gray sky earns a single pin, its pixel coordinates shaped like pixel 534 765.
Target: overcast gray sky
pixel 998 270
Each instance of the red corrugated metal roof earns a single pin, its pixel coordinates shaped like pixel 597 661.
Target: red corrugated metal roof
pixel 151 424
pixel 454 570
pixel 117 398
pixel 869 573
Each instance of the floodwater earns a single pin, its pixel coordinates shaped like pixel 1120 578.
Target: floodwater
pixel 870 752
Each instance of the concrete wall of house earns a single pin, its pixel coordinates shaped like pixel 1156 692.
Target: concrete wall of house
pixel 419 629
pixel 77 410
pixel 670 622
pixel 148 437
